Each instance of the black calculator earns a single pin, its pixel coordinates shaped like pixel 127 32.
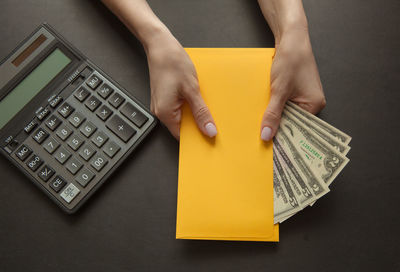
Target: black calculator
pixel 63 122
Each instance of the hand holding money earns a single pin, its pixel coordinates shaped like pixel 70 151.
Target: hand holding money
pixel 308 155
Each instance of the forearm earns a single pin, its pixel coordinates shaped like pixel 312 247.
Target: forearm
pixel 139 19
pixel 284 16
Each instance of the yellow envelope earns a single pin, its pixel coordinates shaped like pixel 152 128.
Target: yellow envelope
pixel 225 188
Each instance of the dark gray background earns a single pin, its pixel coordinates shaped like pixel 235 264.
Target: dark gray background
pixel 129 225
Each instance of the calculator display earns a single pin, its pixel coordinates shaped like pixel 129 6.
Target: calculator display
pixel 32 84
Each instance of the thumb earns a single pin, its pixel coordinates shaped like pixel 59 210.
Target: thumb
pixel 201 114
pixel 272 117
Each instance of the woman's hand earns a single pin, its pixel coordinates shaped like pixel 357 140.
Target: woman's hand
pixel 173 80
pixel 295 77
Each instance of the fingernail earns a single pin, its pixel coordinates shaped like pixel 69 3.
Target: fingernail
pixel 266 134
pixel 211 129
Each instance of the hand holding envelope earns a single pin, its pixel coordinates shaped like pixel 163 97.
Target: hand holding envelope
pixel 225 189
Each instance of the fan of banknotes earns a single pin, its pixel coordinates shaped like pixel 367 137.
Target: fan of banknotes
pixel 308 155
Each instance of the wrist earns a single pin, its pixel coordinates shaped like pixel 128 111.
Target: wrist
pixel 154 36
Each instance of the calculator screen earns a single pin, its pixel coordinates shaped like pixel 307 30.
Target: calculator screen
pixel 32 84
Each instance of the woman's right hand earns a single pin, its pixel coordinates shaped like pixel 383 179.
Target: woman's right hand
pixel 173 80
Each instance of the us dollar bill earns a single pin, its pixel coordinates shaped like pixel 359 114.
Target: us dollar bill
pixel 336 133
pixel 337 144
pixel 287 149
pixel 285 201
pixel 303 193
pixel 320 156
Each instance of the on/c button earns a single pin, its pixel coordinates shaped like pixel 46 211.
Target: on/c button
pixel 69 193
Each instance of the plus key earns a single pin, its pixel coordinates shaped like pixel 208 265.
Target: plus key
pixel 120 128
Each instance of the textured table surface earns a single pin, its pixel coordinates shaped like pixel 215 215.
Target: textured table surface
pixel 129 225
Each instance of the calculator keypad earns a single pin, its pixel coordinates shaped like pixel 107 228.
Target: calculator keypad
pixel 79 138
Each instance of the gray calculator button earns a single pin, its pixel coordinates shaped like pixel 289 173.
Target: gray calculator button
pixel 111 149
pixel 88 128
pixel 92 103
pixel 57 183
pixel 53 122
pixel 103 112
pixel 45 173
pixel 55 101
pixel 65 110
pixel 30 126
pixel 99 138
pixel 84 176
pixel 50 145
pixel 75 142
pixel 43 113
pixel 64 132
pixel 69 193
pixel 98 162
pixel 76 119
pixel 86 152
pixel 73 165
pixel 81 94
pixel 105 91
pixel 62 155
pixel 34 162
pixel 134 115
pixel 23 152
pixel 121 128
pixel 40 135
pixel 116 100
pixel 93 81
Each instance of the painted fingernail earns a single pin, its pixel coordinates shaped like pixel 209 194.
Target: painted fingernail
pixel 266 134
pixel 211 129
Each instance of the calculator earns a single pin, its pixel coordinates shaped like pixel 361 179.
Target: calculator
pixel 63 122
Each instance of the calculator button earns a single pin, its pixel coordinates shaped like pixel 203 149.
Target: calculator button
pixel 134 115
pixel 73 165
pixel 105 91
pixel 103 112
pixel 76 119
pixel 53 103
pixel 29 127
pixel 94 81
pixel 42 114
pixel 86 72
pixel 75 142
pixel 111 149
pixel 116 100
pixel 53 122
pixel 99 138
pixel 87 152
pixel 93 103
pixel 121 128
pixel 88 128
pixel 57 183
pixel 69 193
pixel 63 132
pixel 84 176
pixel 81 94
pixel 50 145
pixel 62 155
pixel 46 173
pixel 65 110
pixel 98 162
pixel 40 135
pixel 34 162
pixel 23 152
